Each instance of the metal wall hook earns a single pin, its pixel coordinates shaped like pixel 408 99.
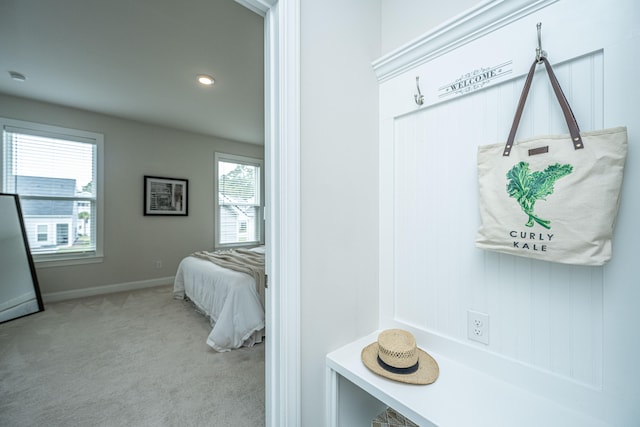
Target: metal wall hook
pixel 419 98
pixel 539 52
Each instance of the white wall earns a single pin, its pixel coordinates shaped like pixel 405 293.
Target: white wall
pixel 133 242
pixel 339 171
pixel 339 194
pixel 405 20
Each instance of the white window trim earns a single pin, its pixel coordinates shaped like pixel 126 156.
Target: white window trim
pixel 48 260
pixel 232 158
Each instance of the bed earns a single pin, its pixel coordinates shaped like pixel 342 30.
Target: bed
pixel 233 301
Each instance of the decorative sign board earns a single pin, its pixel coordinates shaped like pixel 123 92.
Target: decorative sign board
pixel 474 80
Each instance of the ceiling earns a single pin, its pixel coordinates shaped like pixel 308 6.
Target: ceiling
pixel 139 60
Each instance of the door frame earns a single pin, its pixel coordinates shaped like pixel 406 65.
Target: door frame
pixel 282 208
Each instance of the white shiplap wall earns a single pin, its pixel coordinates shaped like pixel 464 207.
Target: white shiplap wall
pixel 561 331
pixel 548 316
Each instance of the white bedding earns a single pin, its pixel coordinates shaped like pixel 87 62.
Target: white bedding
pixel 228 298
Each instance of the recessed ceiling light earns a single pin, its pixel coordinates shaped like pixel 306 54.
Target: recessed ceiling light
pixel 17 76
pixel 206 80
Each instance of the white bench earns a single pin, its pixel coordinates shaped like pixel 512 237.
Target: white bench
pixel 461 397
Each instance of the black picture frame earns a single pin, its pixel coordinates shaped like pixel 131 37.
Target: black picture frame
pixel 166 196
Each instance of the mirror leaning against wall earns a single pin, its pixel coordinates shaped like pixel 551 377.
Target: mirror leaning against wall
pixel 19 289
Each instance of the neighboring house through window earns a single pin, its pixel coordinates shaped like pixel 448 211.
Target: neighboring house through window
pixel 239 204
pixel 55 171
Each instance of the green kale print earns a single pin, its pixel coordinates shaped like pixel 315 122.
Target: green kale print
pixel 527 187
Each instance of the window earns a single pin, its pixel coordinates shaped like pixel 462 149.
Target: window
pixel 56 173
pixel 239 201
pixel 43 233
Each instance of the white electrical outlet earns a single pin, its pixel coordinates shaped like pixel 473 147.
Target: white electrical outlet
pixel 158 264
pixel 478 326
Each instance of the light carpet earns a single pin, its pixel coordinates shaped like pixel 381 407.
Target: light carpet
pixel 128 359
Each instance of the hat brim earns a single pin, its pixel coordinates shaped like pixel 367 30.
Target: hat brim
pixel 427 372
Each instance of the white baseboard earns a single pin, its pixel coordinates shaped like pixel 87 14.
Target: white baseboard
pixel 105 289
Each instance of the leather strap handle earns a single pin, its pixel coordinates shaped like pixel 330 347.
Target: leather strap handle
pixel 574 130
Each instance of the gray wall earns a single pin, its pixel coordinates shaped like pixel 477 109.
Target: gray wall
pixel 133 242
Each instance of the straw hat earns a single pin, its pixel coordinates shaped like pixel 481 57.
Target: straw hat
pixel 396 356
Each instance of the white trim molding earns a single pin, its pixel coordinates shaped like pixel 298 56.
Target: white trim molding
pixel 261 7
pixel 106 289
pixel 282 210
pixel 283 214
pixel 478 21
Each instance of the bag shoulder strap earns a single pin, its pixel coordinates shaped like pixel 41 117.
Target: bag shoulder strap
pixel 574 130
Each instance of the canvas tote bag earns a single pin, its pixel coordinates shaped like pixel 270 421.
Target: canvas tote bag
pixel 552 198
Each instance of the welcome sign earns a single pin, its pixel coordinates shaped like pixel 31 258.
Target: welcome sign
pixel 474 80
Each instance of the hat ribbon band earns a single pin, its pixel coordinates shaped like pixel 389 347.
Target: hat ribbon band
pixel 393 369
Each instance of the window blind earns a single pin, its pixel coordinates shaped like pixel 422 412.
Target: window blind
pixel 55 176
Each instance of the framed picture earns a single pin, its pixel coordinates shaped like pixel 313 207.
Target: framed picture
pixel 165 196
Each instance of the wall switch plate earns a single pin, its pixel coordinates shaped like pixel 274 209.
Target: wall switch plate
pixel 478 326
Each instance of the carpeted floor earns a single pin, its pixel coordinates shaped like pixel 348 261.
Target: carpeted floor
pixel 127 359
